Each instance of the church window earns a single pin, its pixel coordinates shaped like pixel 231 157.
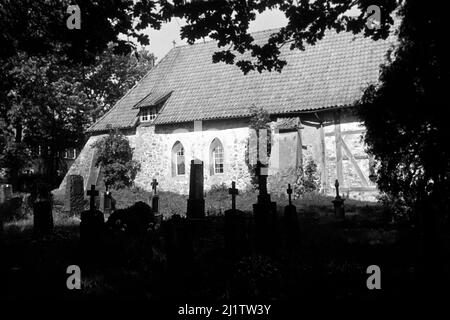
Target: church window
pixel 178 159
pixel 216 157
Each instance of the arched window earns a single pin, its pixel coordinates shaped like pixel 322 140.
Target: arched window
pixel 178 159
pixel 216 157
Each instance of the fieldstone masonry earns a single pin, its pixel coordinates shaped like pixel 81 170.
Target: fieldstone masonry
pixel 153 149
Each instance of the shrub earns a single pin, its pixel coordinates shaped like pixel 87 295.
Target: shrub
pixel 307 179
pixel 115 157
pixel 218 188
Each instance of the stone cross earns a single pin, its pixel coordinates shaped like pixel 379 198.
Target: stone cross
pixel 92 194
pixel 233 191
pixel 289 192
pixel 338 203
pixel 336 184
pixel 154 184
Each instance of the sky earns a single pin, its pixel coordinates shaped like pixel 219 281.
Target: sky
pixel 161 41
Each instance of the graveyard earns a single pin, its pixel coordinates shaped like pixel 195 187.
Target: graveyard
pixel 224 244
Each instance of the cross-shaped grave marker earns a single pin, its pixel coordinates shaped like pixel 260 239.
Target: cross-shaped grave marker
pixel 338 203
pixel 336 184
pixel 154 184
pixel 289 192
pixel 92 194
pixel 233 191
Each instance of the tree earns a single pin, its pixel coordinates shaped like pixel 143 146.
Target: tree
pixel 111 76
pixel 49 101
pixel 407 131
pixel 55 81
pixel 115 158
pixel 38 27
pixel 44 107
pixel 403 114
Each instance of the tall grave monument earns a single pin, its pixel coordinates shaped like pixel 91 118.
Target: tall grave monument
pixel 74 197
pixel 196 201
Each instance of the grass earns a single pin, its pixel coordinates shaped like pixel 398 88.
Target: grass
pixel 217 201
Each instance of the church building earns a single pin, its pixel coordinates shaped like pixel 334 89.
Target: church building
pixel 188 107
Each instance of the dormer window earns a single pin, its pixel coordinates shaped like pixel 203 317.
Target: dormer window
pixel 148 114
pixel 151 105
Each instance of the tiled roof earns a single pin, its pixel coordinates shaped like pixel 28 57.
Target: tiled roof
pixel 331 73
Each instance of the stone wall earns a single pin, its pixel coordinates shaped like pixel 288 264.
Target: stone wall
pixel 153 150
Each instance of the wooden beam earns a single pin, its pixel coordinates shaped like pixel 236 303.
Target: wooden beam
pixel 323 161
pixel 345 133
pixel 364 179
pixel 299 159
pixel 338 141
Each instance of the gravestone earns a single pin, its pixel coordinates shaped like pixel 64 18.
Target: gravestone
pixel 338 203
pixel 5 192
pixel 235 233
pixel 291 222
pixel 74 197
pixel 92 224
pixel 42 212
pixel 265 215
pixel 5 197
pixel 155 203
pixel 196 201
